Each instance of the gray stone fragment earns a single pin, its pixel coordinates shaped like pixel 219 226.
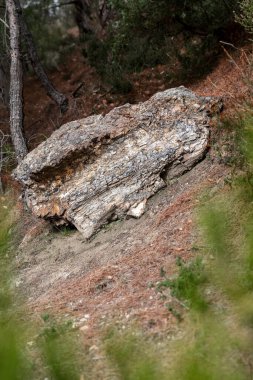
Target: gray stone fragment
pixel 101 168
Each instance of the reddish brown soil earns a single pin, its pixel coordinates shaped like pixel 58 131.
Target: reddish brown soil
pixel 115 275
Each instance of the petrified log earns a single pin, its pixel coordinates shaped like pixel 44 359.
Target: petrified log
pixel 100 168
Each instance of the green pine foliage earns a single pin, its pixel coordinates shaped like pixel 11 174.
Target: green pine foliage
pixel 131 358
pixel 187 285
pixel 51 352
pixel 244 15
pixel 145 33
pixel 48 25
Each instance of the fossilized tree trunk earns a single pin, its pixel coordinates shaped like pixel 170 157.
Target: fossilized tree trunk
pixel 16 84
pixel 102 168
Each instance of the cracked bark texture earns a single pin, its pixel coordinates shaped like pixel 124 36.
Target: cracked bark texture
pixel 16 84
pixel 101 168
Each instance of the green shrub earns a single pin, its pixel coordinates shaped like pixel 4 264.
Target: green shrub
pixel 13 364
pixel 244 15
pixel 146 33
pixel 52 353
pixel 187 285
pixel 131 357
pixel 48 26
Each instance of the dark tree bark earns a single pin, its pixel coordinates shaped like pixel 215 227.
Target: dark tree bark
pixel 4 80
pixel 83 15
pixel 92 16
pixel 58 97
pixel 16 84
pixel 104 12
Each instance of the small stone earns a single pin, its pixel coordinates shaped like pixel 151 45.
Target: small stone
pixel 138 210
pixel 84 328
pixel 93 348
pixel 18 283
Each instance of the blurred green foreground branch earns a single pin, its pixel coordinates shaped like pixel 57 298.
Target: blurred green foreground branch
pixel 29 350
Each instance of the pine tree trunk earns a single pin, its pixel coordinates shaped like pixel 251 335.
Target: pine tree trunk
pixel 16 84
pixel 4 80
pixel 58 97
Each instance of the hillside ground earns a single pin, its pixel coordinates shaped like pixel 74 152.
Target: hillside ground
pixel 113 278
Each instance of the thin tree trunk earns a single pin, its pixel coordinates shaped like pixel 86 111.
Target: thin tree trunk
pixel 83 16
pixel 16 84
pixel 4 80
pixel 58 97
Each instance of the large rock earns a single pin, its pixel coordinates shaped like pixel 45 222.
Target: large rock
pixel 100 168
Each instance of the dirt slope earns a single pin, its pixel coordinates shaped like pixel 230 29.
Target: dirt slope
pixel 115 274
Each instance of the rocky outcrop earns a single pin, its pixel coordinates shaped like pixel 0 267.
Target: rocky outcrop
pixel 100 168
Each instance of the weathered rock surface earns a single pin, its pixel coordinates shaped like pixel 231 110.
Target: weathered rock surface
pixel 101 168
